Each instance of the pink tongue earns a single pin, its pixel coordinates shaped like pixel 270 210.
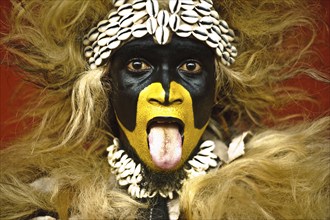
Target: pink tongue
pixel 165 145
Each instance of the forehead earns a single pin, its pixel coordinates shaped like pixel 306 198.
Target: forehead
pixel 177 47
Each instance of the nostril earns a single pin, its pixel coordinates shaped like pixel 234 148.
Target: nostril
pixel 154 101
pixel 177 101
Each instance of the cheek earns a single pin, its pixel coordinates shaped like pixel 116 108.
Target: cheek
pixel 202 92
pixel 124 99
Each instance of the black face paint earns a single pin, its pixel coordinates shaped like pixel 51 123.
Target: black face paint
pixel 162 98
pixel 164 62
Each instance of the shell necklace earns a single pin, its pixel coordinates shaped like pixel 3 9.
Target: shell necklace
pixel 133 175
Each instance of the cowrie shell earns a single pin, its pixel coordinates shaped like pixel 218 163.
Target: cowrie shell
pixel 138 4
pixel 123 158
pixel 230 38
pixel 139 30
pixel 125 174
pixel 102 25
pixel 124 34
pixel 207 144
pixel 123 182
pixel 93 34
pixel 137 170
pixel 112 29
pixel 125 9
pixel 233 51
pixel 189 16
pixel 86 41
pixel 114 43
pixel 139 178
pixel 215 14
pixel 184 30
pixel 221 47
pixel 212 162
pixel 91 60
pixel 118 154
pixel 113 17
pixel 215 17
pixel 223 28
pixel 224 61
pixel 143 193
pixel 126 21
pixel 98 61
pixel 137 192
pixel 209 3
pixel 218 51
pixel 88 51
pixel 152 7
pixel 196 164
pixel 116 142
pixel 163 18
pixel 104 41
pixel 111 148
pixel 231 33
pixel 118 3
pixel 217 31
pixel 174 6
pixel 204 152
pixel 224 24
pixel 162 35
pixel 206 22
pixel 125 162
pixel 224 40
pixel 138 17
pixel 187 4
pixel 174 22
pixel 93 66
pixel 204 160
pixel 203 9
pixel 102 35
pixel 151 25
pixel 212 40
pixel 231 60
pixel 226 55
pixel 200 33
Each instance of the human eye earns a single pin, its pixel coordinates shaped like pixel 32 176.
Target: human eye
pixel 137 65
pixel 191 67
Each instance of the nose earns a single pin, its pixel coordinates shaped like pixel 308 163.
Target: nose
pixel 161 97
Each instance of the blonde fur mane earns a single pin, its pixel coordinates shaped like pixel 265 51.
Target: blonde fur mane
pixel 74 120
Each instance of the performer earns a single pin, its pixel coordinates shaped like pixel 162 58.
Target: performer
pixel 154 109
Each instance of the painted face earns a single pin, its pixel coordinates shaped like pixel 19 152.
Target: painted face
pixel 162 97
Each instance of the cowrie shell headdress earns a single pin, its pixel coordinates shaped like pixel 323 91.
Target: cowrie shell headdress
pixel 131 19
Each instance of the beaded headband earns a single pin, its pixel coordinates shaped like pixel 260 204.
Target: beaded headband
pixel 131 19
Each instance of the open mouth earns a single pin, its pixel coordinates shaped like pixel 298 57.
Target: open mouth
pixel 165 140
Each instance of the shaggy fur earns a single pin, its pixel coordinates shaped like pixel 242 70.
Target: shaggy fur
pixel 284 174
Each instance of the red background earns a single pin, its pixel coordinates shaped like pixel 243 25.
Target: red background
pixel 11 101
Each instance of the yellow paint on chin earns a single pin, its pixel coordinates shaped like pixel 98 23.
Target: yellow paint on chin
pixel 149 106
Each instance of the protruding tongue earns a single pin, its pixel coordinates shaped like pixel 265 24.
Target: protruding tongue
pixel 165 145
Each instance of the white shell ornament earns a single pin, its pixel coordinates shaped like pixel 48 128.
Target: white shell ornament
pixel 163 18
pixel 139 31
pixel 151 25
pixel 138 4
pixel 190 16
pixel 174 22
pixel 124 34
pixel 133 19
pixel 152 7
pixel 184 30
pixel 162 35
pixel 174 6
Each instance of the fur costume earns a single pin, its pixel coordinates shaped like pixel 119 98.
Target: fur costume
pixel 60 168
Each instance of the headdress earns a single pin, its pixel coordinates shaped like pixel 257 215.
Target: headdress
pixel 136 18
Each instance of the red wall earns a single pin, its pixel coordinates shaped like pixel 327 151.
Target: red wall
pixel 11 101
